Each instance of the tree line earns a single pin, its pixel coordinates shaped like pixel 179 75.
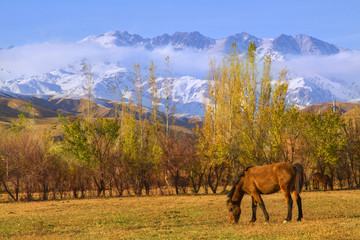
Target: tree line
pixel 247 122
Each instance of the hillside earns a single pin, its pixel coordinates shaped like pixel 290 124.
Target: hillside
pixel 11 108
pixel 46 112
pixel 345 108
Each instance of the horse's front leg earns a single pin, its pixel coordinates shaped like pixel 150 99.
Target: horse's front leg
pixel 259 200
pixel 253 206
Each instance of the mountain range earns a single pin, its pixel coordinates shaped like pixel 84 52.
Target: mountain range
pixel 281 46
pixel 306 87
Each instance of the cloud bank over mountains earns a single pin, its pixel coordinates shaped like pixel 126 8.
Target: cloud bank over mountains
pixel 36 59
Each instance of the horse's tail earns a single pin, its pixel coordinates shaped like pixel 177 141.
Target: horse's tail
pixel 299 177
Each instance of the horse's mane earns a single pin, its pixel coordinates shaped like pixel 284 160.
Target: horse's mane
pixel 242 174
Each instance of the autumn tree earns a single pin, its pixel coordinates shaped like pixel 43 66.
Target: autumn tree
pixel 139 144
pixel 244 115
pixel 175 159
pixel 17 152
pixel 351 130
pixel 134 166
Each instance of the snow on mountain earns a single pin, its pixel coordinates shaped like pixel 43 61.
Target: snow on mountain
pixel 179 40
pixel 116 38
pixel 187 91
pixel 312 46
pixel 305 87
pixel 242 41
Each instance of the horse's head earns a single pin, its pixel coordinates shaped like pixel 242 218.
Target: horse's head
pixel 234 199
pixel 234 211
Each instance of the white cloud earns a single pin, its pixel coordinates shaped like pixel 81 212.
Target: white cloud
pixel 41 58
pixel 35 59
pixel 345 66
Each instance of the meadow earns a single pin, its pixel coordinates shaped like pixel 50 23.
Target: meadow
pixel 327 215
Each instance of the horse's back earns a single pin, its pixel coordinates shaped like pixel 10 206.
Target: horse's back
pixel 317 176
pixel 281 169
pixel 321 177
pixel 270 178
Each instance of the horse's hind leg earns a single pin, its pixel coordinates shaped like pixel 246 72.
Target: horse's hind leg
pixel 299 205
pixel 253 206
pixel 289 202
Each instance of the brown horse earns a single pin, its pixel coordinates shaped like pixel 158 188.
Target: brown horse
pixel 322 178
pixel 267 179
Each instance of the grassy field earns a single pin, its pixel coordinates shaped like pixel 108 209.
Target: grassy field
pixel 327 215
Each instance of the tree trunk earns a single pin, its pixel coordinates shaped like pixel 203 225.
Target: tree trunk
pixel 196 183
pixel 9 192
pixel 45 191
pixel 75 194
pixel 147 187
pixel 227 181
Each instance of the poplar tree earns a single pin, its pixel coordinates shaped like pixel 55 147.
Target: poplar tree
pixel 244 114
pixel 114 87
pixel 154 95
pixel 88 87
pixel 169 87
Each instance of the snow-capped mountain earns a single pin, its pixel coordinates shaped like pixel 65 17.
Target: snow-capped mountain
pixel 179 40
pixel 284 44
pixel 306 87
pixel 69 82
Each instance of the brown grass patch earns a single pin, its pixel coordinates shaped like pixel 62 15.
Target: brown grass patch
pixel 327 215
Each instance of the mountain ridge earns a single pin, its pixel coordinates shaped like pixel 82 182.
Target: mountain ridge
pixel 299 44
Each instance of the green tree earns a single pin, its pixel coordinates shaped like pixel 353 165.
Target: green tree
pixel 141 151
pixel 324 139
pixel 92 143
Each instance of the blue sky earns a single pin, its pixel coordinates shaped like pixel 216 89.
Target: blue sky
pixel 26 22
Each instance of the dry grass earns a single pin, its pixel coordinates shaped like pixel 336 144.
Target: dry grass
pixel 327 215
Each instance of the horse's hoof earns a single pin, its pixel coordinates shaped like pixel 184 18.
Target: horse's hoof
pixel 267 222
pixel 285 221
